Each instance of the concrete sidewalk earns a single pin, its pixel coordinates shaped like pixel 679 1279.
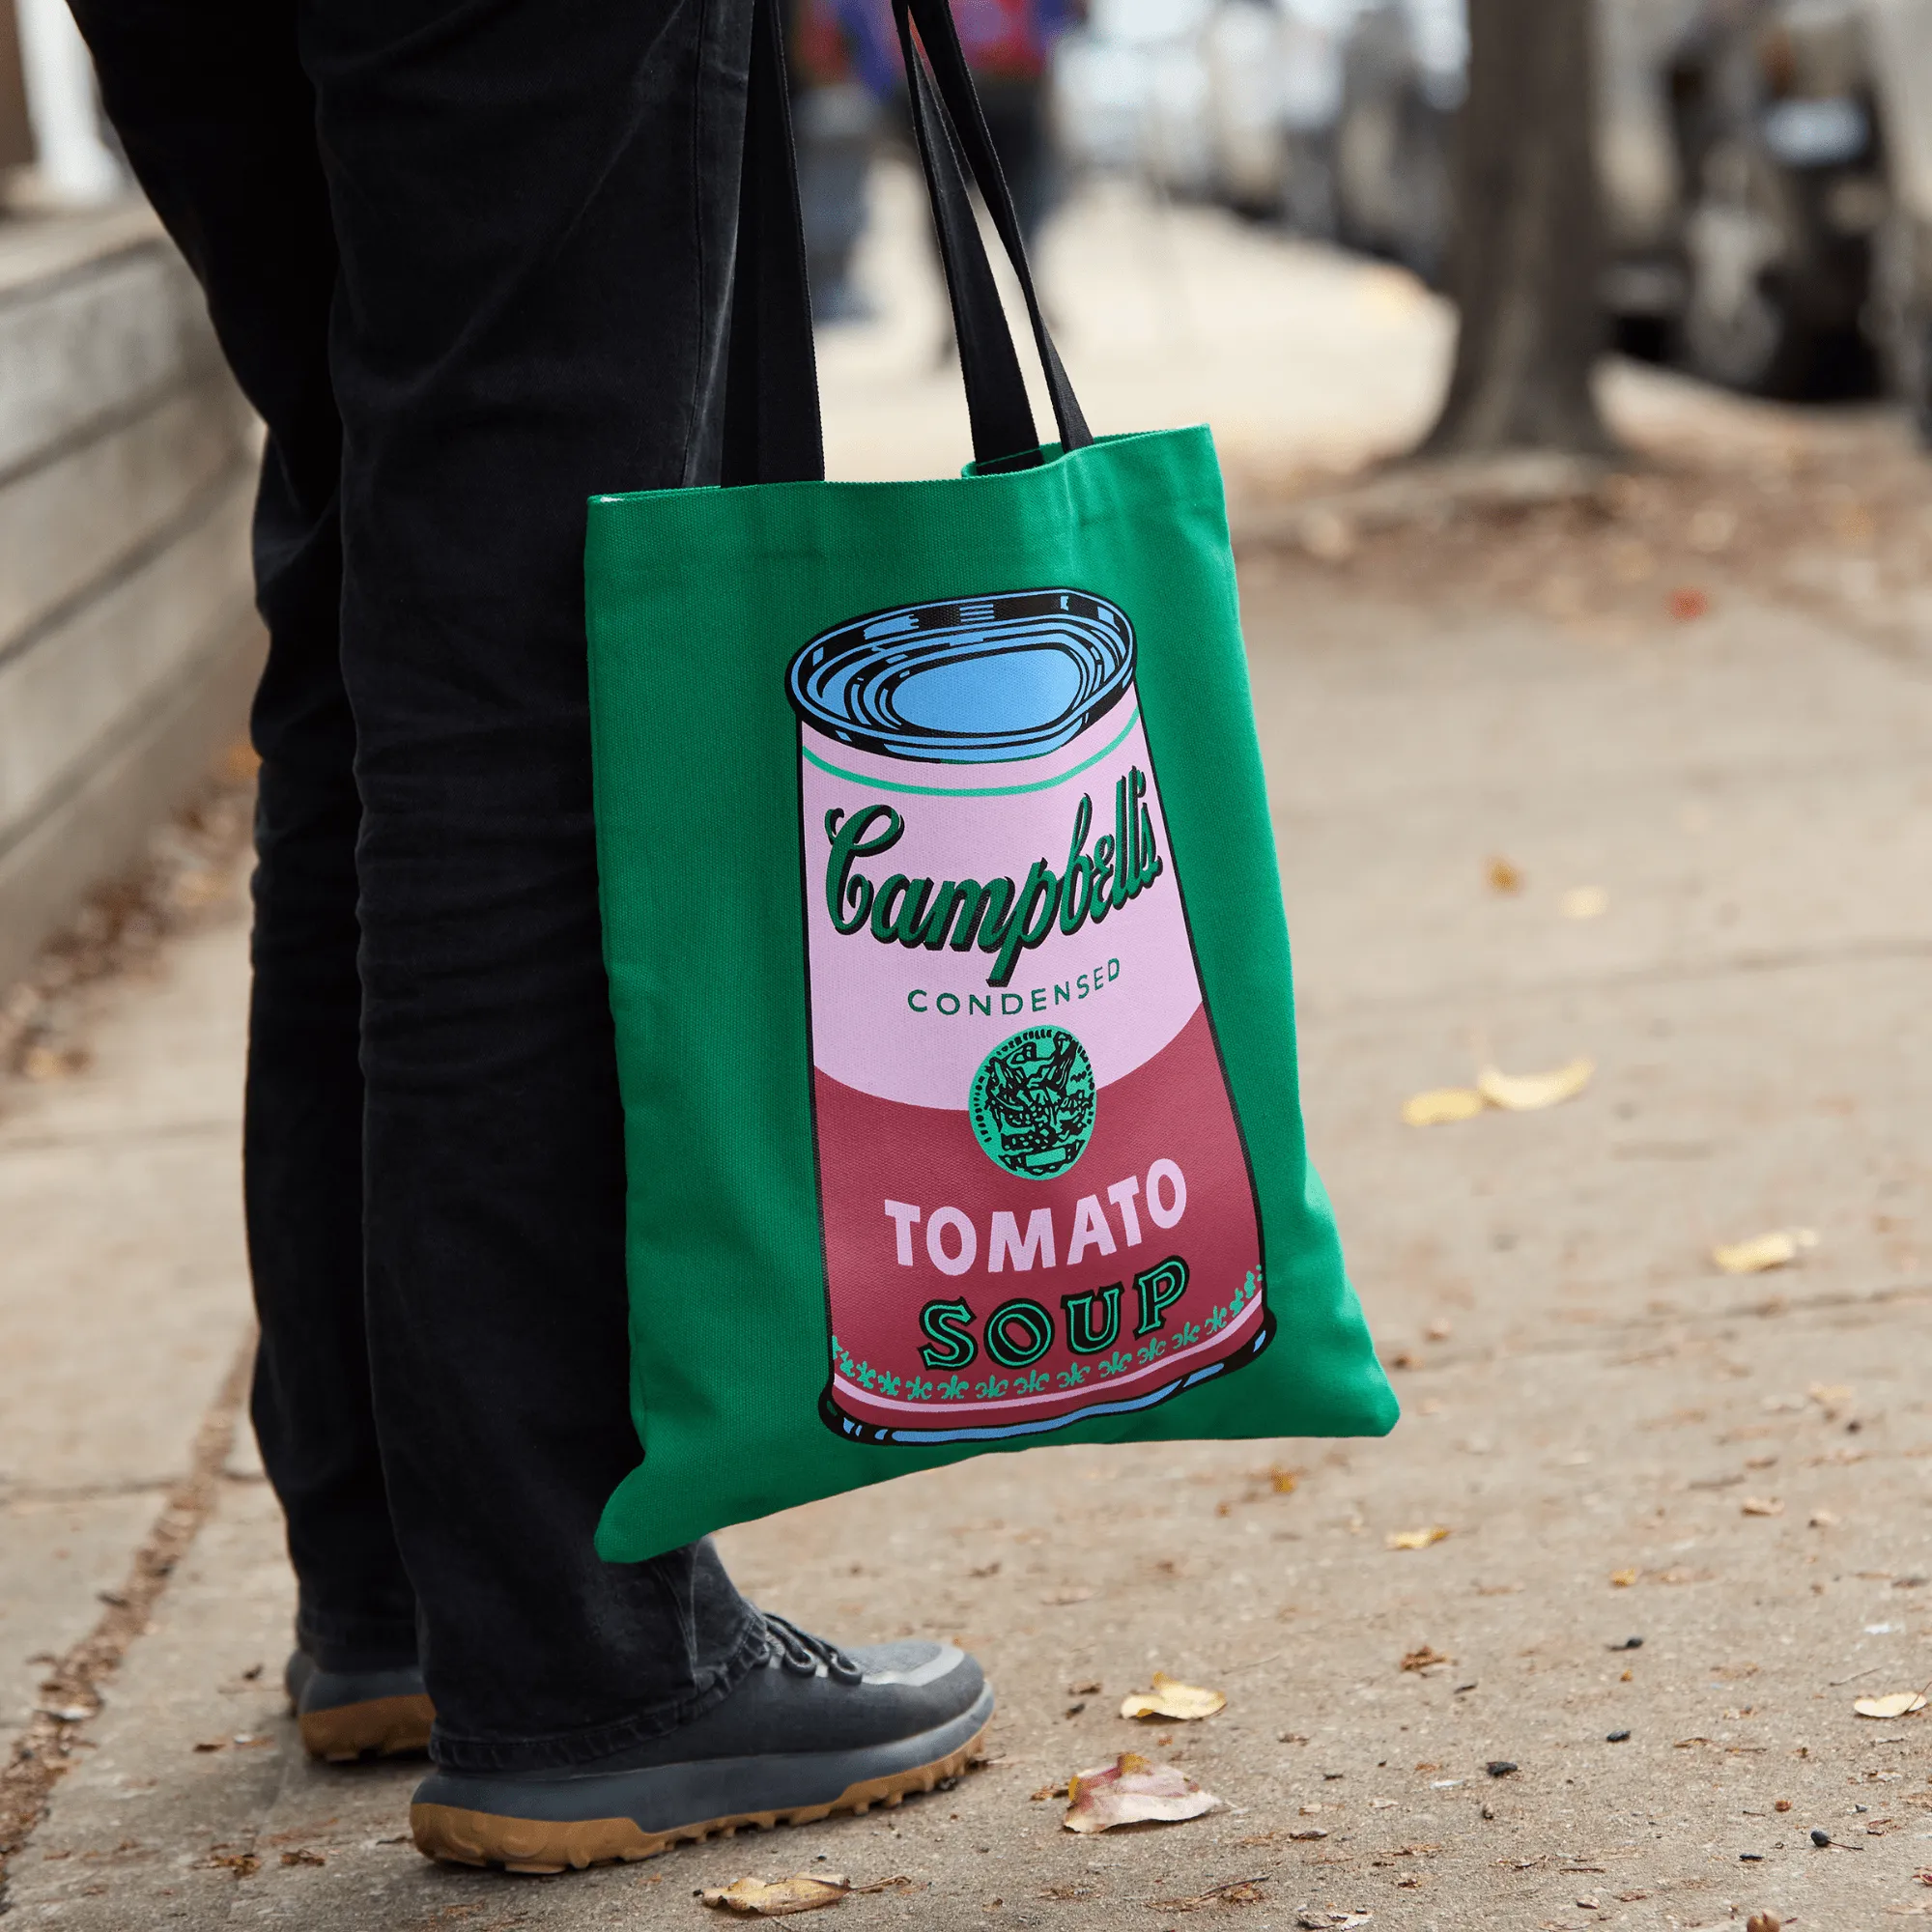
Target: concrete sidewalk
pixel 124 1284
pixel 1620 1441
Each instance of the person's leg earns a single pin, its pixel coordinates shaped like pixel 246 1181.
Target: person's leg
pixel 217 121
pixel 534 207
pixel 535 210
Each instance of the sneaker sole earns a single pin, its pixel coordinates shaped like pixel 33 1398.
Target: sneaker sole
pixel 374 1728
pixel 454 1834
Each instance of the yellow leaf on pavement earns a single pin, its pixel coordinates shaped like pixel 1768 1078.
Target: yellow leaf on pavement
pixel 1622 1579
pixel 48 1063
pixel 1899 1704
pixel 1417 1538
pixel 1776 1249
pixel 1438 1106
pixel 1184 1702
pixel 1530 1092
pixel 754 1898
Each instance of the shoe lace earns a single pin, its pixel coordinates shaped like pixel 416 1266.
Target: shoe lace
pixel 800 1653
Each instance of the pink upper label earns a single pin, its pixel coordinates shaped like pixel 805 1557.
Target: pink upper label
pixel 914 1024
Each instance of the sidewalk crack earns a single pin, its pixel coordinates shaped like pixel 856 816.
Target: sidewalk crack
pixel 43 1751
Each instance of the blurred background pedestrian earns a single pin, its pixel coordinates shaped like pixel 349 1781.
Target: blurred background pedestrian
pixel 849 97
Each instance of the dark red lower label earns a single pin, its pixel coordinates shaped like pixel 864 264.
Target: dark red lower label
pixel 967 1301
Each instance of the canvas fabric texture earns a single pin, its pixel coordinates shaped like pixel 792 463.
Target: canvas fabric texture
pixel 757 1301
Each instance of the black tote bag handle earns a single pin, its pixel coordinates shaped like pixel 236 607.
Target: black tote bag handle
pixel 986 354
pixel 771 431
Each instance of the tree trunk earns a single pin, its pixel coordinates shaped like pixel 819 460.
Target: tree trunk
pixel 16 133
pixel 1528 242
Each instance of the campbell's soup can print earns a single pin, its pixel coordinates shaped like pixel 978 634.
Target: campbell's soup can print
pixel 1034 1198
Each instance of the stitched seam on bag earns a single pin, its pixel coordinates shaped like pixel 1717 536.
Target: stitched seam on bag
pixel 1216 503
pixel 754 534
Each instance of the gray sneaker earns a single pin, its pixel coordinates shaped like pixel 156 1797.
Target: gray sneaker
pixel 813 1730
pixel 343 1715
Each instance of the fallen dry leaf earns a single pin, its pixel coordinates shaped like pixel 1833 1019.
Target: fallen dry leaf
pixel 1622 1579
pixel 756 1898
pixel 1333 1921
pixel 1186 1702
pixel 1439 1106
pixel 1235 1891
pixel 48 1063
pixel 1584 902
pixel 1423 1657
pixel 1763 1921
pixel 1504 877
pixel 1898 1704
pixel 1687 603
pixel 1776 1249
pixel 1530 1092
pixel 1415 1539
pixel 1134 1791
pixel 304 1856
pixel 1762 1506
pixel 243 1864
pixel 1308 1834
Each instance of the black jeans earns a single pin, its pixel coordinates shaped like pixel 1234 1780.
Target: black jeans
pixel 470 259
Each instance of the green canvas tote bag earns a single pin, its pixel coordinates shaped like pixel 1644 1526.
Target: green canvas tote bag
pixel 944 931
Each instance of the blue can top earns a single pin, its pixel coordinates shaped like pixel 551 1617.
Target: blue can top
pixel 969 680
